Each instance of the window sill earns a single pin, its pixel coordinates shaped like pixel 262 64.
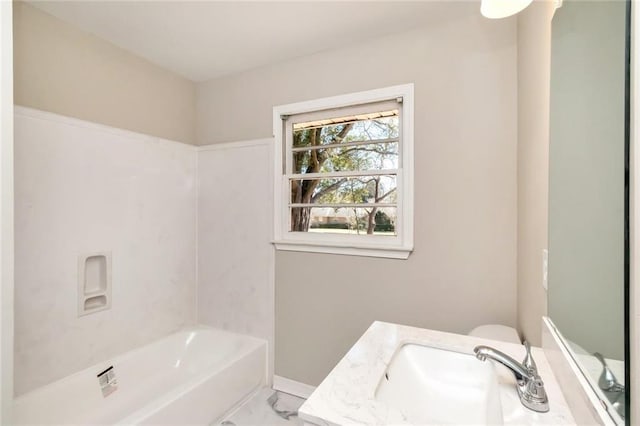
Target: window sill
pixel 366 251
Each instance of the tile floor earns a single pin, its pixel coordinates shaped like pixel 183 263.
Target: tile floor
pixel 257 411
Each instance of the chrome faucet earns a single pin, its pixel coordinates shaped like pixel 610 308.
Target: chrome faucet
pixel 529 384
pixel 608 381
pixel 613 390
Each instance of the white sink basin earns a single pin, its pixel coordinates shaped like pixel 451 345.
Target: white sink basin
pixel 435 386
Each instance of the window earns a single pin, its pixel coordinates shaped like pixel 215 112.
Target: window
pixel 344 174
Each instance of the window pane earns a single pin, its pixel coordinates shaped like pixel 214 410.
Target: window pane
pixel 349 131
pixel 360 221
pixel 377 156
pixel 361 189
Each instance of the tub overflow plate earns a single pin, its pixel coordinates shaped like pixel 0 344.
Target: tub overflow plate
pixel 108 382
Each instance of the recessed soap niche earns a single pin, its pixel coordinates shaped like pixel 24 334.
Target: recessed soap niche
pixel 94 283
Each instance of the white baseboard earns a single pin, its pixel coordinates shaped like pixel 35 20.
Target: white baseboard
pixel 292 387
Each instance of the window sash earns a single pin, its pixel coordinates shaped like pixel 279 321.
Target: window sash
pixel 288 175
pixel 287 206
pixel 289 121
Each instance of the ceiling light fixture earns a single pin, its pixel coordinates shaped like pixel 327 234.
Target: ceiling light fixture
pixel 496 9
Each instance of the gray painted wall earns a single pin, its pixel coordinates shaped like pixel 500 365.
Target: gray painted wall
pixel 586 197
pixel 60 68
pixel 463 270
pixel 534 56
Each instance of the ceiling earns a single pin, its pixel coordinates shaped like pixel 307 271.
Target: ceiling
pixel 207 39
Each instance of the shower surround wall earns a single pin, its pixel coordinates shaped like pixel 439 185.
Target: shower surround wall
pixel 83 188
pixel 169 217
pixel 235 255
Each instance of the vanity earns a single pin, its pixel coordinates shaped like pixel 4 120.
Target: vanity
pixel 396 374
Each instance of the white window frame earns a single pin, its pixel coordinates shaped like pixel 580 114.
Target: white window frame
pixel 397 247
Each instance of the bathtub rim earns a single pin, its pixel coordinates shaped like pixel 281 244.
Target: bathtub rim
pixel 206 375
pixel 200 377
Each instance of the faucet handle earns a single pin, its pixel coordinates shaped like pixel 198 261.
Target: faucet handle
pixel 533 395
pixel 607 381
pixel 528 361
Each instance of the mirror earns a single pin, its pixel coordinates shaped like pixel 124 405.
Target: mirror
pixel 588 207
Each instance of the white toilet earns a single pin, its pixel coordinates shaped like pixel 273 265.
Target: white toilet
pixel 496 332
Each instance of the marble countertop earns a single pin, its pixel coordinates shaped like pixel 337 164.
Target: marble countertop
pixel 347 395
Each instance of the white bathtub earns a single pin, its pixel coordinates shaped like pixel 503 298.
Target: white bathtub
pixel 190 377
